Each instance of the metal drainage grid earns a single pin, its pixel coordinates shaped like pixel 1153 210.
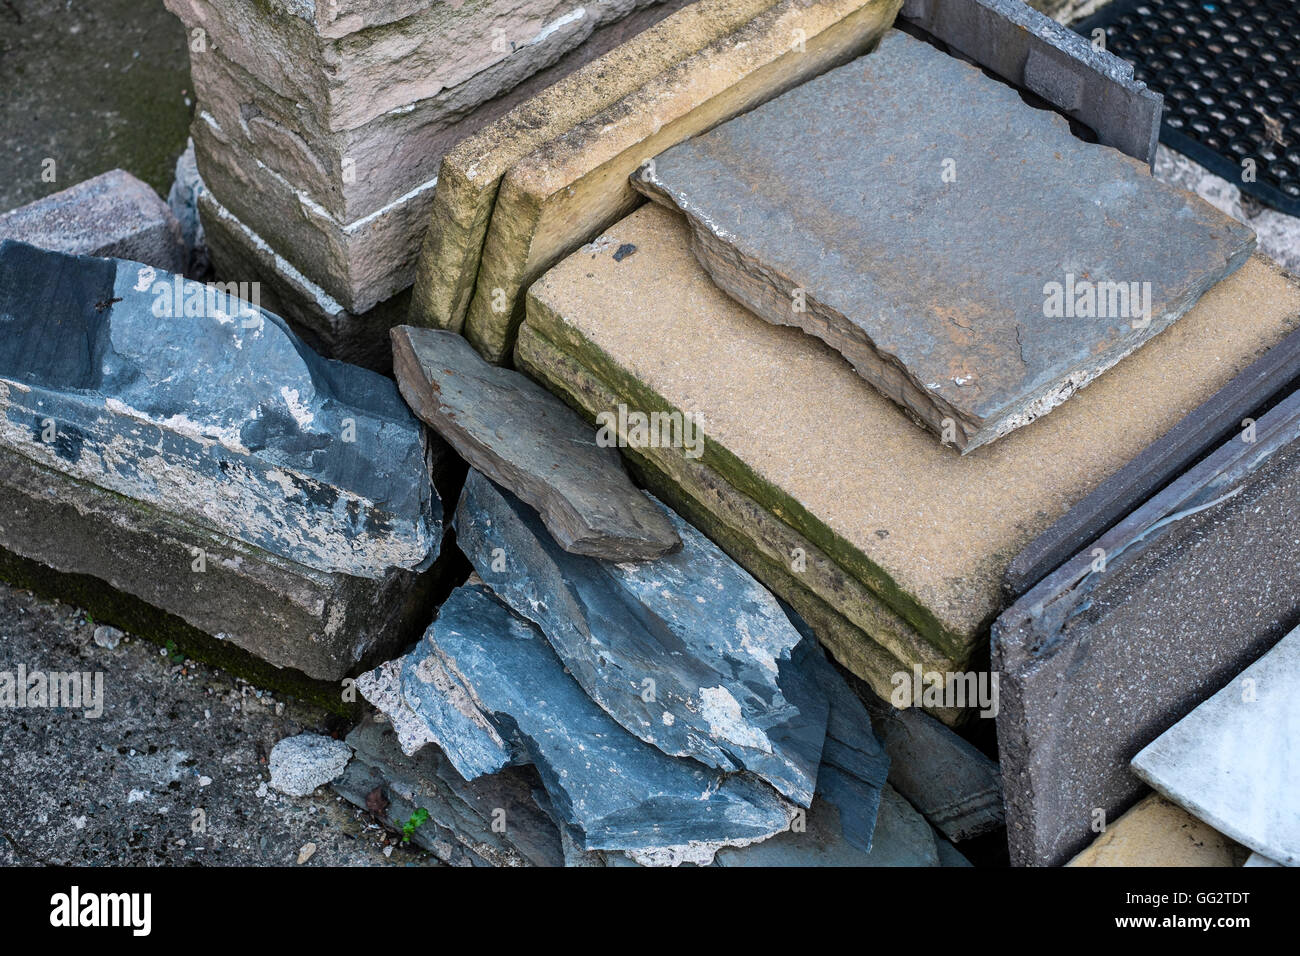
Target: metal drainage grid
pixel 1230 74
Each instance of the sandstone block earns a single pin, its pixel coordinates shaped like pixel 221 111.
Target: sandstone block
pixel 1159 833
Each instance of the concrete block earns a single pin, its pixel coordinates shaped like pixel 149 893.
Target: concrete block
pixel 565 192
pixel 112 215
pixel 1128 636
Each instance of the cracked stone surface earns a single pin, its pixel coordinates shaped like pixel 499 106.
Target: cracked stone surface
pixel 492 680
pixel 919 238
pixel 528 441
pixel 687 652
pixel 1231 761
pixel 222 418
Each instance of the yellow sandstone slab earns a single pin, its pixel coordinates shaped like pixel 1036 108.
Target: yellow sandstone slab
pixel 1159 833
pixel 789 423
pixel 566 191
pixel 472 171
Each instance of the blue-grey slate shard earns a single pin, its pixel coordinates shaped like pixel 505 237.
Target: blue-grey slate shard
pixel 493 820
pixel 190 401
pixel 527 440
pixel 1234 761
pixel 966 253
pixel 1127 637
pixel 687 652
pixel 902 837
pixel 618 792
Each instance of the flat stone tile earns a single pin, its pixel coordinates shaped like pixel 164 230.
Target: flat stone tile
pixel 1232 761
pixel 913 213
pixel 565 192
pixel 929 531
pixel 1156 832
pixel 1137 629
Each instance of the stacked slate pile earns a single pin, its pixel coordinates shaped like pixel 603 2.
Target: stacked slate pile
pixel 530 189
pixel 320 128
pixel 167 446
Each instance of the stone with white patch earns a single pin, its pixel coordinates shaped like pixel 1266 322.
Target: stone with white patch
pixel 301 764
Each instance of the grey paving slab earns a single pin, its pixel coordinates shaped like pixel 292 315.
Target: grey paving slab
pixel 197 404
pixel 966 253
pixel 528 441
pixel 1126 638
pixel 1232 761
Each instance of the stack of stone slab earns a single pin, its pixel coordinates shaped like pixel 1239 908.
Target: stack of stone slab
pixel 891 545
pixel 546 178
pixel 320 128
pixel 178 463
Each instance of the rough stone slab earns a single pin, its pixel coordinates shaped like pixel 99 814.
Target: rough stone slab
pixel 1159 833
pixel 903 838
pixel 1026 48
pixel 493 819
pixel 224 419
pixel 112 215
pixel 471 172
pixel 322 625
pixel 863 633
pixel 355 172
pixel 930 531
pixel 619 792
pixel 956 330
pixel 1223 415
pixel 526 440
pixel 687 652
pixel 358 264
pixel 956 788
pixel 1231 761
pixel 350 80
pixel 565 192
pixel 1096 664
pixel 240 254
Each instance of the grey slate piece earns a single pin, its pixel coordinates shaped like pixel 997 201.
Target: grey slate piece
pixel 320 624
pixel 528 441
pixel 1095 664
pixel 224 418
pixel 1034 52
pixel 956 788
pixel 1207 426
pixel 113 214
pixel 815 212
pixel 493 820
pixel 619 792
pixel 687 652
pixel 903 838
pixel 1232 761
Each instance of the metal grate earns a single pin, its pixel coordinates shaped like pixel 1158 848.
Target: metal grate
pixel 1230 74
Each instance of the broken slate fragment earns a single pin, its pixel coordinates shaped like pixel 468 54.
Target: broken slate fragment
pixel 301 764
pixel 619 792
pixel 196 404
pixel 1232 761
pixel 528 441
pixel 1032 263
pixel 687 652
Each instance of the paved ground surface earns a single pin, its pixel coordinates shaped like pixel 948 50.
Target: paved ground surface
pixel 174 737
pixel 94 86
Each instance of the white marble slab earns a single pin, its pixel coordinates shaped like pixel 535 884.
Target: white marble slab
pixel 1234 761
